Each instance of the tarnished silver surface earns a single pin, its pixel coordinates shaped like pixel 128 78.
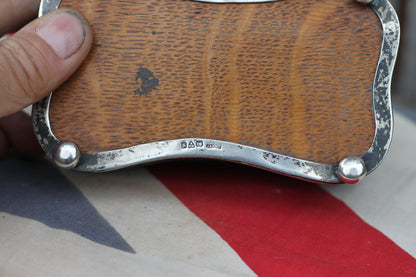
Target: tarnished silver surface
pixel 206 148
pixel 47 6
pixel 382 108
pixel 352 170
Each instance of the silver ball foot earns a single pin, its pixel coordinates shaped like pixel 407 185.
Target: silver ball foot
pixel 351 170
pixel 66 155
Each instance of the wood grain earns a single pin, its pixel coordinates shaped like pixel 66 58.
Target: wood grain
pixel 292 76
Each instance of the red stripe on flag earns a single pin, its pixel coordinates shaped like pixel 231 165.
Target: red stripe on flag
pixel 282 226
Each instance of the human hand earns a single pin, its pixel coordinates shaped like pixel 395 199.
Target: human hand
pixel 33 62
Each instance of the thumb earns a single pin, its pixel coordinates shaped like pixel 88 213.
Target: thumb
pixel 41 56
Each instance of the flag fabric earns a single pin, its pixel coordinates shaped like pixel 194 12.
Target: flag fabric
pixel 208 218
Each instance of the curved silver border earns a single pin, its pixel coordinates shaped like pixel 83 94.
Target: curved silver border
pixel 214 149
pixel 383 113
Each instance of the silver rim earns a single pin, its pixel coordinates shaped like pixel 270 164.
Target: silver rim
pixel 206 148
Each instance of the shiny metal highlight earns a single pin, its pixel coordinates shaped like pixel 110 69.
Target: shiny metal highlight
pixel 66 155
pixel 48 6
pixel 352 170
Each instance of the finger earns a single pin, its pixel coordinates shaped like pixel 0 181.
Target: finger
pixel 39 57
pixel 19 132
pixel 16 13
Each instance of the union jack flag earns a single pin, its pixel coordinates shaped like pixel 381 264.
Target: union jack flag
pixel 199 218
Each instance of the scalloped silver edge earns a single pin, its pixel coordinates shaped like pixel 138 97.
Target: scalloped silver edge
pixel 215 149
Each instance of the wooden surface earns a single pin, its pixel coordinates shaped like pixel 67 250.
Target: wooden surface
pixel 292 76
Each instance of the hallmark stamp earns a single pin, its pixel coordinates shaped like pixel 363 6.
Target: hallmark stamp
pixel 199 144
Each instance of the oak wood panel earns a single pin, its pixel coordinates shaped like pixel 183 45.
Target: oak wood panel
pixel 292 76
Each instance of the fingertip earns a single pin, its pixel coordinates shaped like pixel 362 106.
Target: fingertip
pixel 40 57
pixel 64 32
